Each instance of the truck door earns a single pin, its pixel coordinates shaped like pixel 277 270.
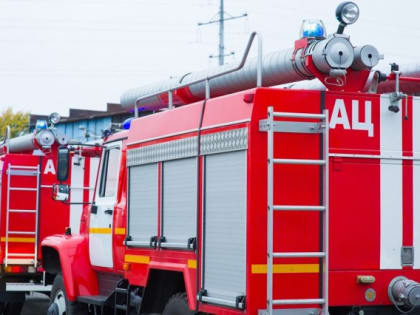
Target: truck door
pixel 101 216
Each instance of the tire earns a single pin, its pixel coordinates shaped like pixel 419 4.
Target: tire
pixel 177 305
pixel 60 304
pixel 13 308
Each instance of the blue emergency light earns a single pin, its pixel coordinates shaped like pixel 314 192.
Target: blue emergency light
pixel 313 29
pixel 127 123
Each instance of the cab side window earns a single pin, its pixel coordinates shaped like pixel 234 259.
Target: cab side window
pixel 109 174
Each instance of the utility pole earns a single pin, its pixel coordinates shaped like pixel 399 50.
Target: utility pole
pixel 222 33
pixel 221 20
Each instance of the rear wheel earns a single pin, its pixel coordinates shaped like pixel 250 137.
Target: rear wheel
pixel 13 304
pixel 13 308
pixel 60 304
pixel 177 305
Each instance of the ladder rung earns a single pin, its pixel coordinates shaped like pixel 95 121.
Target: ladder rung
pixel 299 115
pixel 299 208
pixel 19 261
pixel 18 172
pixel 21 232
pixel 299 255
pixel 20 255
pixel 23 167
pixel 298 301
pixel 299 161
pixel 22 211
pixel 23 189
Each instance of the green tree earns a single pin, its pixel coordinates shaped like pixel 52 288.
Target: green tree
pixel 18 122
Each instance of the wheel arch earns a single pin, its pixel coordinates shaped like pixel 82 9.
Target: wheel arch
pixel 70 257
pixel 51 260
pixel 161 286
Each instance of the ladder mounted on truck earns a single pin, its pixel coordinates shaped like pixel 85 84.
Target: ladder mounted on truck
pixel 270 125
pixel 30 258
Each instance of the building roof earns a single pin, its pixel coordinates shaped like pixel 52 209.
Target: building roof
pixel 75 114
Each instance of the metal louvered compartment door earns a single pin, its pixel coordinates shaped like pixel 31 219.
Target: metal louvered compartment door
pixel 179 201
pixel 225 184
pixel 142 204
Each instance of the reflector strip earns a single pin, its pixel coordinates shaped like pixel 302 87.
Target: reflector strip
pixel 390 187
pixel 286 268
pixel 19 239
pixel 100 231
pixel 192 263
pixel 119 231
pixel 139 259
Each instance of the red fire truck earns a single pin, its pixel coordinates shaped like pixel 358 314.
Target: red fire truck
pixel 28 214
pixel 262 200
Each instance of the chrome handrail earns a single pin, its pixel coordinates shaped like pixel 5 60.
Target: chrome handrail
pixel 208 78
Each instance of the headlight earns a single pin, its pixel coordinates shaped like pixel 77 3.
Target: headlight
pixel 347 13
pixel 54 118
pixel 312 29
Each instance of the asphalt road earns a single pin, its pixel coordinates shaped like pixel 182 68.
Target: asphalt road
pixel 35 305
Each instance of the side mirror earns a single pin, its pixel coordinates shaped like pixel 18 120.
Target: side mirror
pixel 60 192
pixel 63 164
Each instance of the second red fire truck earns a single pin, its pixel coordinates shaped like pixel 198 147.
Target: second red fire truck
pixel 262 200
pixel 28 214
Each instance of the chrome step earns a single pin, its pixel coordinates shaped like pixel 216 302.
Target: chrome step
pixel 27 287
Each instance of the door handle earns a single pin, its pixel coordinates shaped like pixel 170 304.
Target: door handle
pixel 94 209
pixel 108 211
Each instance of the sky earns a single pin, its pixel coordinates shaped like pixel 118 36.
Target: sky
pixel 57 54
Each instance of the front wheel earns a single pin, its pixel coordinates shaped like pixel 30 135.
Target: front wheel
pixel 60 304
pixel 177 305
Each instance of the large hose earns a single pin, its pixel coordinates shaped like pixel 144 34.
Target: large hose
pixel 20 144
pixel 332 55
pixel 39 139
pixel 277 69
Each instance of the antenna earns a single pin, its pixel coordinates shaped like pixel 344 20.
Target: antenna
pixel 221 20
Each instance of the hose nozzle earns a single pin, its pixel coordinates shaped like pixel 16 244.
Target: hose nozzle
pixel 404 292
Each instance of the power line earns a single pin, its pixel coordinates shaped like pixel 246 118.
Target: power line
pixel 221 21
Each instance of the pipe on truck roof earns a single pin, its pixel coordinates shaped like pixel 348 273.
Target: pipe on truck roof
pixel 332 56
